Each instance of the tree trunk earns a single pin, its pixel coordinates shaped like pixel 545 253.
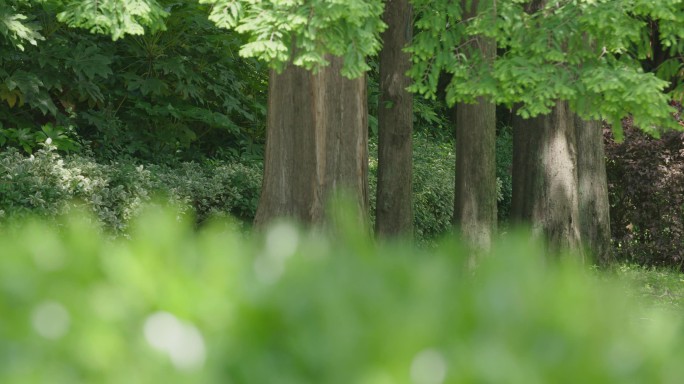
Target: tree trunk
pixel 545 182
pixel 594 208
pixel 475 185
pixel 394 208
pixel 316 144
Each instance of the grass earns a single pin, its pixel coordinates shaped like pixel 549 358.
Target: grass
pixel 660 287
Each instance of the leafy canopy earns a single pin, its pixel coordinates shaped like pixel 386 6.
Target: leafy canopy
pixel 114 17
pixel 588 52
pixel 305 31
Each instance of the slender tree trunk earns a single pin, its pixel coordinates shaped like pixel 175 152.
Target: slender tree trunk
pixel 545 181
pixel 316 144
pixel 394 208
pixel 594 208
pixel 475 185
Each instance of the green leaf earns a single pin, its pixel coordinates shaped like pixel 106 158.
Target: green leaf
pixel 89 61
pixel 17 27
pixel 116 18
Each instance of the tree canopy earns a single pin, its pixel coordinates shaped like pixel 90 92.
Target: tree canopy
pixel 304 32
pixel 588 52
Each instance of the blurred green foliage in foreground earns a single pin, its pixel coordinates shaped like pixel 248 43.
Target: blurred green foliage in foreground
pixel 173 304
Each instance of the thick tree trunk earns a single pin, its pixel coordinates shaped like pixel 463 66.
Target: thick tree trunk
pixel 594 208
pixel 545 182
pixel 394 209
pixel 316 144
pixel 475 185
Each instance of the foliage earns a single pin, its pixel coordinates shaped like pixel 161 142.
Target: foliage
pixel 646 188
pixel 304 32
pixel 114 17
pixel 431 118
pixel 16 28
pixel 504 172
pixel 167 94
pixel 213 190
pixel 171 76
pixel 433 187
pixel 587 52
pixel 48 184
pixel 545 57
pixel 175 305
pixel 63 138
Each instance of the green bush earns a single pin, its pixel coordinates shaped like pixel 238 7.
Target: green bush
pixel 176 305
pixel 48 184
pixel 646 192
pixel 218 189
pixel 433 187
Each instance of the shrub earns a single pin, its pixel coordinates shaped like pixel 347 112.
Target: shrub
pixel 175 305
pixel 433 187
pixel 213 189
pixel 49 184
pixel 35 184
pixel 46 184
pixel 646 187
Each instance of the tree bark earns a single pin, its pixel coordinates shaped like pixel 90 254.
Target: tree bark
pixel 316 144
pixel 475 185
pixel 545 181
pixel 475 179
pixel 394 208
pixel 594 208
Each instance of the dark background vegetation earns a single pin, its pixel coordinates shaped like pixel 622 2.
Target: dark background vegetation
pixel 646 191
